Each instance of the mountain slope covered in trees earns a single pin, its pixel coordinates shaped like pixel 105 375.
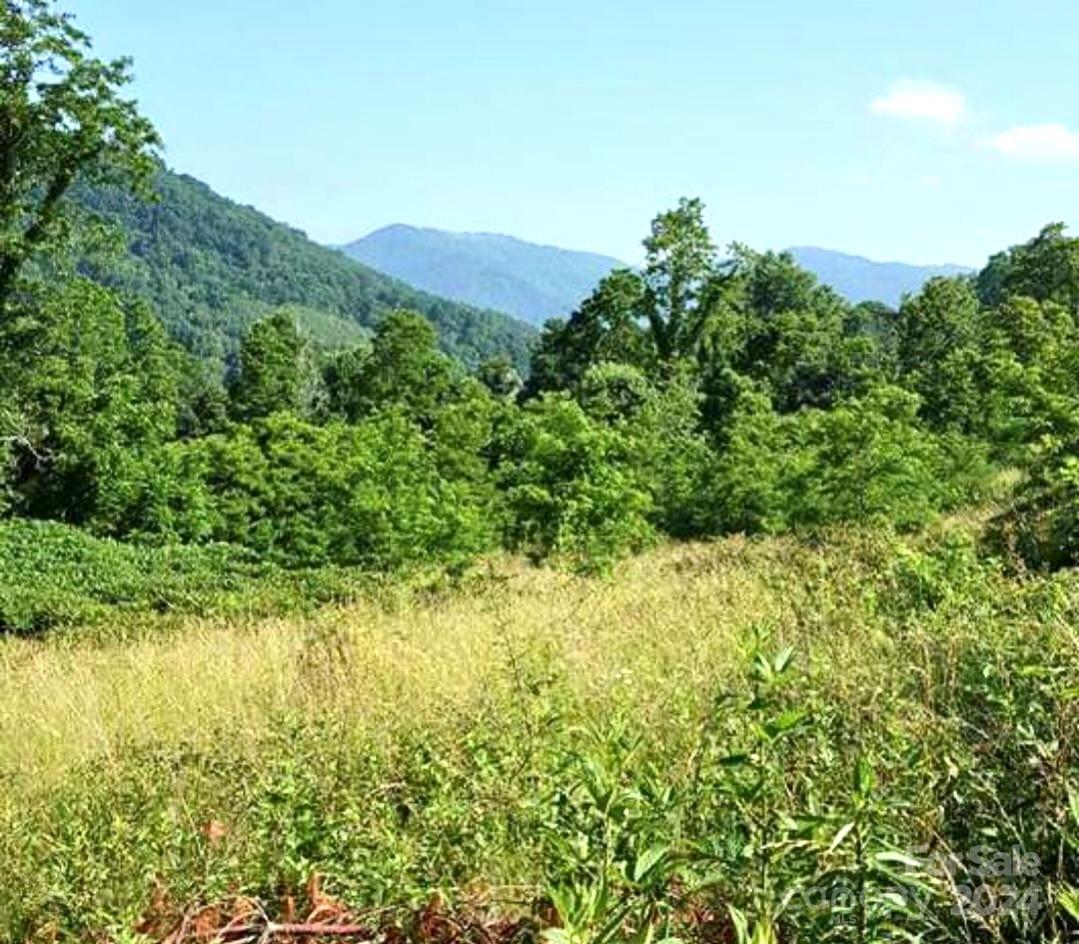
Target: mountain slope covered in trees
pixel 527 280
pixel 211 267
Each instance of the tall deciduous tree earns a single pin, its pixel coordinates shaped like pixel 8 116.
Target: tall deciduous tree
pixel 63 118
pixel 939 350
pixel 605 328
pixel 88 378
pixel 680 263
pixel 406 370
pixel 648 319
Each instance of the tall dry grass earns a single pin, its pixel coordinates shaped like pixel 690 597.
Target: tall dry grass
pixel 666 621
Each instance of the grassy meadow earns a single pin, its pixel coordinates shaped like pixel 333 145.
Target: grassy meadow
pixel 714 735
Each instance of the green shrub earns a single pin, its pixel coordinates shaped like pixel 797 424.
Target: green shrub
pixel 370 494
pixel 871 458
pixel 573 487
pixel 1041 528
pixel 868 458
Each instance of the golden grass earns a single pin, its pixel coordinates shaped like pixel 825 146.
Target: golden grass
pixel 670 619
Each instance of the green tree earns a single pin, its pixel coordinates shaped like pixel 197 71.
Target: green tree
pixel 1046 269
pixel 89 381
pixel 775 283
pixel 342 376
pixel 1030 367
pixel 573 487
pixel 271 372
pixel 404 370
pixel 612 392
pixel 672 450
pixel 606 327
pixel 939 350
pixel 773 323
pixel 680 265
pixel 62 119
pixel 741 491
pixel 871 458
pixel 366 494
pixel 500 377
pixel 650 319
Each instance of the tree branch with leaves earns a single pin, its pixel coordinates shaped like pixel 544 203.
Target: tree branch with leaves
pixel 63 119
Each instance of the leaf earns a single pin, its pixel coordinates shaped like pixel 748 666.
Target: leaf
pixel 893 857
pixel 842 834
pixel 783 724
pixel 648 861
pixel 782 660
pixel 762 668
pixel 895 899
pixel 863 778
pixel 1069 901
pixel 741 924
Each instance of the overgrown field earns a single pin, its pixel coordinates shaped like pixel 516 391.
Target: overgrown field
pixel 827 742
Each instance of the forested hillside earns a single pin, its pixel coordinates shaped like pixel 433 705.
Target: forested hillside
pixel 211 267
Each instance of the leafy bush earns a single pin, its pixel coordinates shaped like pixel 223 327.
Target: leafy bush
pixel 743 490
pixel 573 487
pixel 369 494
pixel 868 458
pixel 1041 528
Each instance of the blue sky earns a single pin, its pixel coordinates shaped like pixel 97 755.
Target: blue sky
pixel 915 130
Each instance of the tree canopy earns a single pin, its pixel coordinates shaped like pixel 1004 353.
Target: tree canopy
pixel 63 119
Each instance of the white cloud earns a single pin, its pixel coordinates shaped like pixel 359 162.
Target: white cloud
pixel 932 180
pixel 921 101
pixel 1046 143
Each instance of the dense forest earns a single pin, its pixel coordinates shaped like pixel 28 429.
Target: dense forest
pixel 703 395
pixel 722 610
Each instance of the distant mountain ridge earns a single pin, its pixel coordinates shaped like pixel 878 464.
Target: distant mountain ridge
pixel 534 282
pixel 529 281
pixel 862 280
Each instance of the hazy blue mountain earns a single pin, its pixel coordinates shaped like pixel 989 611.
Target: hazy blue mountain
pixel 523 279
pixel 859 280
pixel 534 283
